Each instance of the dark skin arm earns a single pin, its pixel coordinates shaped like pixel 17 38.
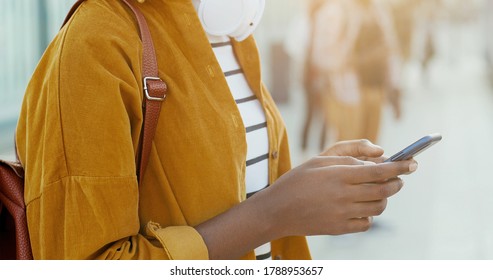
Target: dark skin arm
pixel 330 194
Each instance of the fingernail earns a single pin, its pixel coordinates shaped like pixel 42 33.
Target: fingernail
pixel 413 166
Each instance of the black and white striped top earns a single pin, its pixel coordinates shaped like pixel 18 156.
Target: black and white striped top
pixel 253 116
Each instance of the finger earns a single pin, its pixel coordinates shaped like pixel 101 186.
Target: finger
pixel 324 161
pixel 355 148
pixel 413 167
pixel 384 158
pixel 373 159
pixel 367 162
pixel 376 191
pixel 359 224
pixel 372 208
pixel 358 174
pixel 365 148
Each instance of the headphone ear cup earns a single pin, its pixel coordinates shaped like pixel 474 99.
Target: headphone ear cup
pixel 222 17
pixel 253 14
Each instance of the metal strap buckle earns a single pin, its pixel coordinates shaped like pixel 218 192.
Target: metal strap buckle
pixel 146 90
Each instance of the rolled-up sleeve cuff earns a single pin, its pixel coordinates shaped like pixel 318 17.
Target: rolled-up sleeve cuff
pixel 179 242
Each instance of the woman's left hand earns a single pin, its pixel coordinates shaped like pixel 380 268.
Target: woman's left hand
pixel 361 149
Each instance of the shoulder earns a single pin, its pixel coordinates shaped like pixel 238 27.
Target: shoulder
pixel 100 15
pixel 97 27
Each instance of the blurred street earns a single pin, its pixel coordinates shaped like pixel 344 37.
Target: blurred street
pixel 444 209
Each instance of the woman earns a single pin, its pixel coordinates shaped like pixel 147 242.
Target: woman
pixel 79 130
pixel 362 65
pixel 487 25
pixel 316 87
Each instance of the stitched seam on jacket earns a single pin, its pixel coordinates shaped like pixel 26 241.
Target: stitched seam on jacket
pixel 59 62
pixel 67 28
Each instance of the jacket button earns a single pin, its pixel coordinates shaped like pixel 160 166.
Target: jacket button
pixel 275 155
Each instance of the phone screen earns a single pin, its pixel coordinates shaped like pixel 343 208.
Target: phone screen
pixel 416 148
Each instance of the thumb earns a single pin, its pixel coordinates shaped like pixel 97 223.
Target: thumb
pixel 355 148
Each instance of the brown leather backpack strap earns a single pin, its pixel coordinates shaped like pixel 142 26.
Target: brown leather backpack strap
pixel 154 88
pixel 154 92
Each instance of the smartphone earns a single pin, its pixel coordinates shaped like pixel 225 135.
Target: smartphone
pixel 416 147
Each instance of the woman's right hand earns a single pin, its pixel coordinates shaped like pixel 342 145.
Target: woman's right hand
pixel 333 195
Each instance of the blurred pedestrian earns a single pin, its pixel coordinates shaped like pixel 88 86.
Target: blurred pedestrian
pixel 300 44
pixel 404 20
pixel 315 81
pixel 427 14
pixel 363 65
pixel 488 26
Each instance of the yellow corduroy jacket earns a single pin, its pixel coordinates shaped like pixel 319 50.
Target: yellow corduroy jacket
pixel 79 130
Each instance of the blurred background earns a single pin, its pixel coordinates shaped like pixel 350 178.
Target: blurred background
pixel 387 70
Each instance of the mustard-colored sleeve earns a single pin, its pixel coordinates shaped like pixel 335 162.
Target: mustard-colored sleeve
pixel 77 136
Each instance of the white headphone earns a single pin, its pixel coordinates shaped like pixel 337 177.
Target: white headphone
pixel 233 18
